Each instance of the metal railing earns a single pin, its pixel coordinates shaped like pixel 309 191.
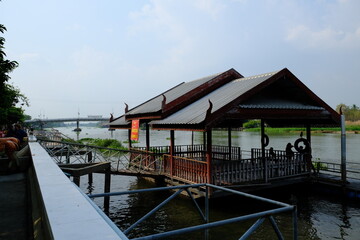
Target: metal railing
pixel 121 159
pixel 352 169
pixel 260 217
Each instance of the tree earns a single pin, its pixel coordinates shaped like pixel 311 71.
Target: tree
pixel 352 113
pixel 10 96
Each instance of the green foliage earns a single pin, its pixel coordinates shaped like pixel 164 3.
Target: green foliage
pixel 10 96
pixel 69 140
pixel 107 143
pixel 352 113
pixel 319 166
pixel 252 124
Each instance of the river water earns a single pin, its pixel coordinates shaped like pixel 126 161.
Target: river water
pixel 320 216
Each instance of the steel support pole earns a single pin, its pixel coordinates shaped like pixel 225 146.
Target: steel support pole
pixel 229 142
pixel 252 229
pixel 207 211
pixel 172 151
pixel 209 154
pixel 90 175
pixel 147 136
pixel 343 149
pixel 308 133
pixel 263 150
pixel 76 180
pixel 107 189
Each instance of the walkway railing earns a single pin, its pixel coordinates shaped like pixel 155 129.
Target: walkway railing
pixel 352 169
pixel 121 160
pixel 188 170
pixel 260 217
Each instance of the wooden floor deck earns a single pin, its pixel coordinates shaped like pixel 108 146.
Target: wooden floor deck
pixel 14 208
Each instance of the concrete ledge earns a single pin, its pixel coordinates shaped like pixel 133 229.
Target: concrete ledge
pixel 69 212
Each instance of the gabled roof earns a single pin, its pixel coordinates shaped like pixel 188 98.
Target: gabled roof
pixel 278 97
pixel 179 96
pixel 119 123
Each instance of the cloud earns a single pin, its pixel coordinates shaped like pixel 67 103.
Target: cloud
pixel 211 7
pixel 326 38
pixel 326 25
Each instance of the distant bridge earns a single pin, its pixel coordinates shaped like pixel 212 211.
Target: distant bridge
pixel 78 119
pixel 42 122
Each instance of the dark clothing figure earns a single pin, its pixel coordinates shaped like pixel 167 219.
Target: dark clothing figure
pixel 288 151
pixel 272 153
pixel 10 132
pixel 17 132
pixel 20 133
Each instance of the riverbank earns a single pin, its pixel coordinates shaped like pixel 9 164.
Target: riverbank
pixel 351 129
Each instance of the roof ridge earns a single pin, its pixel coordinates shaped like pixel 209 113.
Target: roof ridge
pixel 257 76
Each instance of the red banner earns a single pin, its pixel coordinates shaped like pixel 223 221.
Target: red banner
pixel 135 130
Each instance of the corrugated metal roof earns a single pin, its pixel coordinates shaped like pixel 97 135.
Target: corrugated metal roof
pixel 195 113
pixel 155 104
pixel 280 104
pixel 119 122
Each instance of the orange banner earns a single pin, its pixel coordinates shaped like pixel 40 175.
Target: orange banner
pixel 135 130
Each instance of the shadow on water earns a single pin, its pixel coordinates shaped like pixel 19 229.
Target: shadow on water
pixel 320 216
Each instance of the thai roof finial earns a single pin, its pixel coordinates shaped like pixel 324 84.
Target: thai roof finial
pixel 163 103
pixel 208 111
pixel 126 108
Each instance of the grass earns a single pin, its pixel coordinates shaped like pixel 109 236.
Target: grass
pixel 351 127
pixel 107 143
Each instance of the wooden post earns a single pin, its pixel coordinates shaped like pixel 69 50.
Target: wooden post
pixel 263 150
pixel 208 154
pixel 90 175
pixel 147 136
pixel 229 142
pixel 308 133
pixel 308 155
pixel 204 143
pixel 172 151
pixel 68 155
pixel 129 139
pixel 107 188
pixel 76 180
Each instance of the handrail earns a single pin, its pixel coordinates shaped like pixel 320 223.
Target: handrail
pixel 329 167
pixel 74 217
pixel 278 208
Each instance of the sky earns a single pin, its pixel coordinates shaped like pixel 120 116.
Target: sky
pixel 89 57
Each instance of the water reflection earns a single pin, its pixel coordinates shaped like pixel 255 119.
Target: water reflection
pixel 319 216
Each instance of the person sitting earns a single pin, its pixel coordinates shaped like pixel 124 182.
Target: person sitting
pixel 20 134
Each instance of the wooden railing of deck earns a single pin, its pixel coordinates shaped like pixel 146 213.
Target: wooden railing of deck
pixel 190 170
pixel 258 169
pixel 281 165
pixel 198 151
pixel 229 172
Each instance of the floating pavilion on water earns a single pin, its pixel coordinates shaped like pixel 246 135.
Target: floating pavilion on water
pixel 227 100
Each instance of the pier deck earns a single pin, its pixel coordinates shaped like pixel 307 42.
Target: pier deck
pixel 15 220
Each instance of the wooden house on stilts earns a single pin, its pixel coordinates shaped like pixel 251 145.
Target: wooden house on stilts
pixel 226 101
